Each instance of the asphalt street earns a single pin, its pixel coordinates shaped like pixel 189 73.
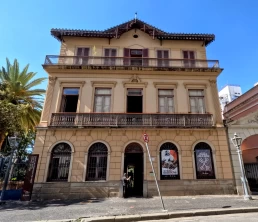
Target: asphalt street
pixel 73 209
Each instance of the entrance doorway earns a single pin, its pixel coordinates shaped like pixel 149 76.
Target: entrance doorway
pixel 134 100
pixel 250 158
pixel 133 166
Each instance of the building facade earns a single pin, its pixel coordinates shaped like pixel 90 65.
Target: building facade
pixel 106 88
pixel 229 93
pixel 241 117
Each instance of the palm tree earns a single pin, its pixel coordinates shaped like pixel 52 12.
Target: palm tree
pixel 20 90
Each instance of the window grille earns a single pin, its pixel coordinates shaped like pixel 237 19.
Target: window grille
pixel 97 162
pixel 60 163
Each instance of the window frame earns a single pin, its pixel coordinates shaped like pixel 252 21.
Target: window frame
pixel 163 60
pixel 78 61
pixel 51 157
pixel 196 99
pixel 212 158
pixel 193 62
pixel 166 97
pixel 110 61
pixel 103 100
pixel 88 156
pixel 68 84
pixel 62 97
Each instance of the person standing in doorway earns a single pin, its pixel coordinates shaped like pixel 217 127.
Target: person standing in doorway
pixel 125 181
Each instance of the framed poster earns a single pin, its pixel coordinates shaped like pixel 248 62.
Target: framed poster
pixel 204 164
pixel 169 163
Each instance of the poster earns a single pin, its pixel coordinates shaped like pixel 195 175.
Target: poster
pixel 169 163
pixel 204 163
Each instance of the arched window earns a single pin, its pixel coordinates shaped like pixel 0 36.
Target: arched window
pixel 204 161
pixel 169 162
pixel 97 162
pixel 60 162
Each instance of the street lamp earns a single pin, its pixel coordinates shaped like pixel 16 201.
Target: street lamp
pixel 236 140
pixel 13 142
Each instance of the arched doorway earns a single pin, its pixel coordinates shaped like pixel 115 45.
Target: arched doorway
pixel 250 158
pixel 133 166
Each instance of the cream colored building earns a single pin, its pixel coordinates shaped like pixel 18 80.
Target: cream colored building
pixel 106 88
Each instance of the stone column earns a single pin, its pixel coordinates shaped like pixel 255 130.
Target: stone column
pixel 48 101
pixel 214 91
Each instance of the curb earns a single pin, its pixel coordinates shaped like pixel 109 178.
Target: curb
pixel 169 215
pixel 160 216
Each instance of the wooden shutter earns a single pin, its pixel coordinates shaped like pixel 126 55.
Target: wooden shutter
pixel 145 55
pixel 86 52
pixel 159 54
pixel 126 56
pixel 191 55
pixel 185 54
pixel 165 54
pixel 113 52
pixel 106 52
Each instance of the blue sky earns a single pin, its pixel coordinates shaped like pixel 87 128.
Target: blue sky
pixel 25 28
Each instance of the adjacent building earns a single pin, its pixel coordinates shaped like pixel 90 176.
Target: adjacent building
pixel 241 117
pixel 106 88
pixel 228 93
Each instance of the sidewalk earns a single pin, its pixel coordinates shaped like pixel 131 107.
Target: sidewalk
pixel 72 209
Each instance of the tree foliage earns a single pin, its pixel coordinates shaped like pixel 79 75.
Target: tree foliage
pixel 20 101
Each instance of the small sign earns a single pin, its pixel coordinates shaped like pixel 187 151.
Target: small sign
pixel 145 138
pixel 153 158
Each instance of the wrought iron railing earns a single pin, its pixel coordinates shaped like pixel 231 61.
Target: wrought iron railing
pixel 251 170
pixel 129 61
pixel 125 120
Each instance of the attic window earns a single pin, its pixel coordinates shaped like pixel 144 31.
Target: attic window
pixel 135 36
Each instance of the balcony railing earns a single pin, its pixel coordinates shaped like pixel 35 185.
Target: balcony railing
pixel 125 120
pixel 129 62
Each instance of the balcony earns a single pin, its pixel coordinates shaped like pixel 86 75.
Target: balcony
pixel 129 63
pixel 126 120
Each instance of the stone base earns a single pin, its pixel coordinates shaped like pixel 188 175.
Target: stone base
pixel 191 187
pixel 75 190
pixel 86 190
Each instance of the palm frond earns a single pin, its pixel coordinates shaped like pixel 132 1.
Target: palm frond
pixel 35 82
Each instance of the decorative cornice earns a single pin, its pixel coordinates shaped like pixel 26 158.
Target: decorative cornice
pixel 72 82
pixel 173 84
pixel 51 80
pixel 112 83
pixel 213 82
pixel 144 84
pixel 195 85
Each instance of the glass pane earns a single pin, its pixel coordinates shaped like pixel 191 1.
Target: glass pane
pixel 71 91
pixel 196 92
pixel 162 101
pixel 98 104
pixel 98 100
pixel 162 109
pixel 170 105
pixel 103 91
pixel 165 92
pixel 107 101
pixel 201 105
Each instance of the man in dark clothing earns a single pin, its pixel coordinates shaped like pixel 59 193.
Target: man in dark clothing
pixel 125 181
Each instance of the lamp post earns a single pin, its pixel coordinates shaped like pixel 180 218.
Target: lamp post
pixel 236 140
pixel 13 142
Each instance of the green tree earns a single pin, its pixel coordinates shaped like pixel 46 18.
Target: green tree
pixel 20 93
